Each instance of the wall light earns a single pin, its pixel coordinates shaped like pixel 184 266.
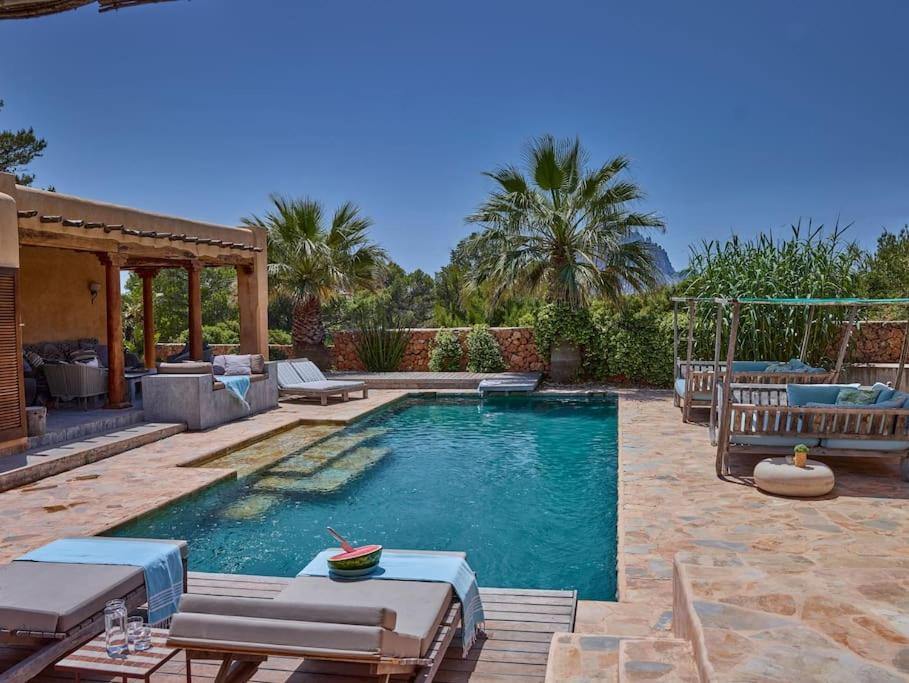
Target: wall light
pixel 94 288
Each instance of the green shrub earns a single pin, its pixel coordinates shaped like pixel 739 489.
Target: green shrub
pixel 226 332
pixel 275 353
pixel 445 352
pixel 279 337
pixel 380 344
pixel 629 342
pixel 483 353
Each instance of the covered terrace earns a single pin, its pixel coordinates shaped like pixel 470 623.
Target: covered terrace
pixel 61 259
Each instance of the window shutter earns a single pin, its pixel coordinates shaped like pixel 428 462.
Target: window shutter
pixel 12 397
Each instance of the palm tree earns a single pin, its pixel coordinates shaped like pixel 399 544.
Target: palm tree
pixel 311 262
pixel 567 234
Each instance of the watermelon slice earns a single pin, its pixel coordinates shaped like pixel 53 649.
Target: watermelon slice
pixel 363 557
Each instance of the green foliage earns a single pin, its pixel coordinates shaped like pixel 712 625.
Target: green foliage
pixel 277 354
pixel 380 343
pixel 445 352
pixel 279 337
pixel 18 148
pixel 483 352
pixel 224 332
pixel 564 233
pixel 632 342
pixel 808 263
pixel 628 341
pixel 885 274
pixel 407 297
pixel 219 303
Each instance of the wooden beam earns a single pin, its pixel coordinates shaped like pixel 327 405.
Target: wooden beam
pixel 903 351
pixel 148 316
pixel 194 270
pixel 116 382
pixel 722 448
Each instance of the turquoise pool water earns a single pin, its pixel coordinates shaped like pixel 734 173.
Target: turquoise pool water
pixel 526 485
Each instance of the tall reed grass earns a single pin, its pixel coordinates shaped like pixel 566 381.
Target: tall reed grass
pixel 809 262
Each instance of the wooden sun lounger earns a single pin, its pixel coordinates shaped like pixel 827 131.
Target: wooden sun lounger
pixel 328 624
pixel 30 639
pixel 757 420
pixel 301 378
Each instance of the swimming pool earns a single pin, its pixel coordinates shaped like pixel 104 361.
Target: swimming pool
pixel 526 485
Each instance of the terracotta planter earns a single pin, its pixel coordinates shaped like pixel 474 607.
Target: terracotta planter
pixel 565 362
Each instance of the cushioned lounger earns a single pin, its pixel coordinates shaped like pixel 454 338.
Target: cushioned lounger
pixel 61 605
pixel 303 378
pixel 387 627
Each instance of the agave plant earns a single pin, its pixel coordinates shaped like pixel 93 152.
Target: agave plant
pixel 810 262
pixel 380 343
pixel 562 232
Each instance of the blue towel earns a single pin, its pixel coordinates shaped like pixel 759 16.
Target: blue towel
pixel 161 561
pixel 403 566
pixel 237 385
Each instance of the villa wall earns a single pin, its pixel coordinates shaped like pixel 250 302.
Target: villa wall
pixel 55 301
pixel 518 349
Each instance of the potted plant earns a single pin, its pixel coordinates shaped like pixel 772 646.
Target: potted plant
pixel 800 455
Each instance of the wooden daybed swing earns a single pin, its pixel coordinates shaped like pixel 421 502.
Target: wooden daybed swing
pixel 757 419
pixel 694 379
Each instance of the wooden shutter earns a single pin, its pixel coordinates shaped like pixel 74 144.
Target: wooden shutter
pixel 12 394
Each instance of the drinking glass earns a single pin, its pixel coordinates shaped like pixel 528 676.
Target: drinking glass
pixel 115 638
pixel 139 634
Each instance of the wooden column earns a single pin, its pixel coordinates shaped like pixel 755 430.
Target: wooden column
pixel 148 316
pixel 194 270
pixel 115 380
pixel 252 299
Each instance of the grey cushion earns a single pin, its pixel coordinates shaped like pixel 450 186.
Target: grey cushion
pixel 355 615
pixel 257 363
pixel 420 605
pixel 56 596
pixel 185 368
pixel 237 365
pixel 278 636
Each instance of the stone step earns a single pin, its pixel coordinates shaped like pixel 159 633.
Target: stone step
pixel 314 458
pixel 30 467
pixel 583 658
pixel 337 474
pixel 625 618
pixel 610 658
pixel 262 454
pixel 656 659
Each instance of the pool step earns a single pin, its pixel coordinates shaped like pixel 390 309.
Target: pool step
pixel 323 453
pixel 328 479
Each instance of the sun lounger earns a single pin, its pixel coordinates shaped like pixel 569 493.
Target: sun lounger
pixel 365 627
pixel 303 378
pixel 48 609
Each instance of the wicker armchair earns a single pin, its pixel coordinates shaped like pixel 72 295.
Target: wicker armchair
pixel 75 380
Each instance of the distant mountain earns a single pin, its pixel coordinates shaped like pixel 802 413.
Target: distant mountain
pixel 669 274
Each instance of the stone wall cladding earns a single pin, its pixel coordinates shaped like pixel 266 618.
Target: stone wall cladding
pixel 518 349
pixel 877 341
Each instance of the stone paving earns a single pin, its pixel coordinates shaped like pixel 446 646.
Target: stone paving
pixel 776 589
pixel 96 497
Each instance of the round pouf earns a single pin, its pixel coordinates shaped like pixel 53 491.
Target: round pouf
pixel 777 475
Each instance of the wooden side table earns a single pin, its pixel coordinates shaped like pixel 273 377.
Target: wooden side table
pixel 92 658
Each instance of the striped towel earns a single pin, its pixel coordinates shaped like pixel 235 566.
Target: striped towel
pixel 404 566
pixel 161 562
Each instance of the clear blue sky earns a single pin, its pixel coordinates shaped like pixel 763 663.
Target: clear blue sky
pixel 737 116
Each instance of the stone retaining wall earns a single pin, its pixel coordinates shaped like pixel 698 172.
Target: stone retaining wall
pixel 518 349
pixel 877 341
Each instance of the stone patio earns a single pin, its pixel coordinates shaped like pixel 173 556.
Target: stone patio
pixel 768 589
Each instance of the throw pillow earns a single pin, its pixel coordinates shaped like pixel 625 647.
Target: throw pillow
pixel 35 360
pixel 219 362
pixel 856 397
pixel 257 363
pixel 237 365
pixel 84 356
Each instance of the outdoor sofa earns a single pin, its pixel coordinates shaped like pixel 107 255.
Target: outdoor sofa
pixel 190 392
pixel 772 419
pixel 48 609
pixel 302 378
pixel 380 627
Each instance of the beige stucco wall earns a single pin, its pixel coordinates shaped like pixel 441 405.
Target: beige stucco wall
pixel 55 300
pixel 9 225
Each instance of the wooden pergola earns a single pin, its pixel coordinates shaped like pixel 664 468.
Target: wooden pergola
pixel 25 9
pixel 128 239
